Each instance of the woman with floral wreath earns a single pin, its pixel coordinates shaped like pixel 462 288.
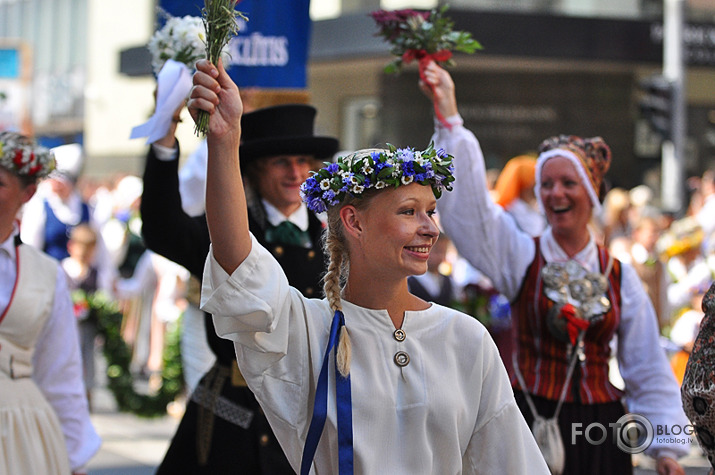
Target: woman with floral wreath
pixel 44 416
pixel 400 385
pixel 569 297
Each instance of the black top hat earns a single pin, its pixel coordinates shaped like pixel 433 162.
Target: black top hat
pixel 283 129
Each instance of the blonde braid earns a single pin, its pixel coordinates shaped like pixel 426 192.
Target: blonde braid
pixel 332 284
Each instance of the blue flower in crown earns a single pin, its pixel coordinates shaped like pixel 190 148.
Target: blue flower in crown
pixel 377 169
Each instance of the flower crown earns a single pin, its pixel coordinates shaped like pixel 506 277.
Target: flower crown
pixel 23 158
pixel 362 170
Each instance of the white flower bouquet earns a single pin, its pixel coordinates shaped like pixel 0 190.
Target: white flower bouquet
pixel 182 39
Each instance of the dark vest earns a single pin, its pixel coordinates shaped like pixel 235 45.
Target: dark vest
pixel 543 358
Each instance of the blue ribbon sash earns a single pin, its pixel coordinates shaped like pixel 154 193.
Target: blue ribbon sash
pixel 320 408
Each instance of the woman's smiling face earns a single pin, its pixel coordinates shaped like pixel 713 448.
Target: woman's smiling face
pixel 564 197
pixel 400 230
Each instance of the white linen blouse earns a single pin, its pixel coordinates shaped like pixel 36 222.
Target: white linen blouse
pixel 491 242
pixel 449 411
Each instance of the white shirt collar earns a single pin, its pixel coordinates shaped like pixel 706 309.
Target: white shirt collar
pixel 587 257
pixel 275 217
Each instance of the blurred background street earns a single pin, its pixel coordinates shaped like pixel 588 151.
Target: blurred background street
pixel 131 445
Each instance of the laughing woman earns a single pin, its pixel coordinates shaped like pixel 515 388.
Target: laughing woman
pixel 570 299
pixel 399 384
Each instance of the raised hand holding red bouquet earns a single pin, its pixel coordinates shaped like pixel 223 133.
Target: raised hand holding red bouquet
pixel 422 36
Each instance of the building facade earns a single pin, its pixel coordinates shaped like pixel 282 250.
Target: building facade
pixel 548 67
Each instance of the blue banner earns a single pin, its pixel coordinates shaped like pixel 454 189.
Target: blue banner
pixel 271 50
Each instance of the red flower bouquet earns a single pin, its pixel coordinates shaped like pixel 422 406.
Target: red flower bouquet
pixel 418 35
pixel 422 36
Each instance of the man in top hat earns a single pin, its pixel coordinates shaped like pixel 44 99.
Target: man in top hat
pixel 223 429
pixel 57 207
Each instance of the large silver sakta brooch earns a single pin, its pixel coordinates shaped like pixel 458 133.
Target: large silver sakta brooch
pixel 579 296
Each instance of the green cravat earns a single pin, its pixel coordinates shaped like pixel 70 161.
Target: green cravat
pixel 287 233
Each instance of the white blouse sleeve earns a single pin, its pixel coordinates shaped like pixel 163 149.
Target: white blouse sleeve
pixel 651 387
pixel 499 414
pixel 57 364
pixel 277 335
pixel 482 231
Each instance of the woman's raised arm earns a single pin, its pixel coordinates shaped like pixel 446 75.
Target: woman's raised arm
pixel 226 213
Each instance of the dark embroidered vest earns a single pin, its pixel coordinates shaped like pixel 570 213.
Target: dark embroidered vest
pixel 543 359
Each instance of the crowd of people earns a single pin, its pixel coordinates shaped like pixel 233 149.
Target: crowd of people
pixel 393 311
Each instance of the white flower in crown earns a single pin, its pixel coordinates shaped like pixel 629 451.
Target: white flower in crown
pixel 418 159
pixel 357 189
pixel 324 185
pixel 406 180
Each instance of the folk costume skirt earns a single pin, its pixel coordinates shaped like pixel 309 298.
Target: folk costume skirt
pixel 31 439
pixel 582 457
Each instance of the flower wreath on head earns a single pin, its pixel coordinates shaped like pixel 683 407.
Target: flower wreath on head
pixel 357 172
pixel 25 159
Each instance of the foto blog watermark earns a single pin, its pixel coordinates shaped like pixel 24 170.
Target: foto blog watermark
pixel 632 433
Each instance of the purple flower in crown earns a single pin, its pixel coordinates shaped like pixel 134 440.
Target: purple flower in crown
pixel 405 154
pixel 408 168
pixel 330 197
pixel 317 205
pixel 310 185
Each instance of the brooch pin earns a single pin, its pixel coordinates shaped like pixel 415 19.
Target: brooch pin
pixel 579 296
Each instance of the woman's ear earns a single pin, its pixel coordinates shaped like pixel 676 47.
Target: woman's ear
pixel 28 192
pixel 350 218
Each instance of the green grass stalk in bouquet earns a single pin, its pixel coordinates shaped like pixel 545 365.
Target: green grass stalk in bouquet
pixel 221 21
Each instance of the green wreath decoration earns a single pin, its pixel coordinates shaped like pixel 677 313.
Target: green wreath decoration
pixel 105 312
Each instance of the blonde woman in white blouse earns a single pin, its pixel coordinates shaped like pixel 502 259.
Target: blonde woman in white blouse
pixel 416 388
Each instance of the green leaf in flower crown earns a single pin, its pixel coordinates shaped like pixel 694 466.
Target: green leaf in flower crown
pixel 384 173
